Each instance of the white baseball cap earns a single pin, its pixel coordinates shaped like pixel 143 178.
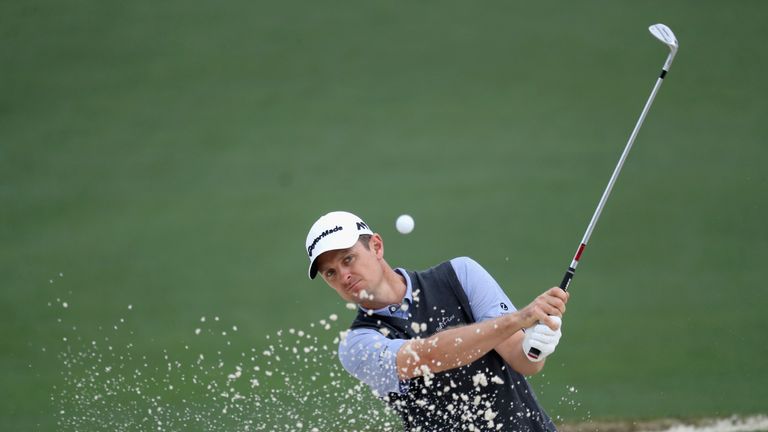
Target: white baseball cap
pixel 333 231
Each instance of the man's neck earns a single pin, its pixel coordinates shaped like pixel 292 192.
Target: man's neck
pixel 392 290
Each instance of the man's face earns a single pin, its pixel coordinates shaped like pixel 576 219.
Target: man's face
pixel 354 273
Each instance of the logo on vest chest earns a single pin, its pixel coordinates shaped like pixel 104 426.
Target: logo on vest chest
pixel 444 322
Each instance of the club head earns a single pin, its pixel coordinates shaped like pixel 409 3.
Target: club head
pixel 664 34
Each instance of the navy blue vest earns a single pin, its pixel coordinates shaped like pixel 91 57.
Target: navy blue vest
pixel 485 394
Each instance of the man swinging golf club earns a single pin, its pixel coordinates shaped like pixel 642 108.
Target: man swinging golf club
pixel 445 347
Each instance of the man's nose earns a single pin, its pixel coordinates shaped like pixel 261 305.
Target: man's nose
pixel 346 275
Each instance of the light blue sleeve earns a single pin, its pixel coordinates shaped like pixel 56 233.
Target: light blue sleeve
pixel 486 298
pixel 371 357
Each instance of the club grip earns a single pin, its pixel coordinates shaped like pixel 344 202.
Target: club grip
pixel 534 353
pixel 567 278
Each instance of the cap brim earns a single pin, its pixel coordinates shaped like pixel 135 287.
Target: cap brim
pixel 312 272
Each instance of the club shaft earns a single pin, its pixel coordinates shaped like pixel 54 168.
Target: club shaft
pixel 534 353
pixel 607 192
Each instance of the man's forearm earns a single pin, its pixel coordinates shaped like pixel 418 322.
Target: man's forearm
pixel 455 347
pixel 460 346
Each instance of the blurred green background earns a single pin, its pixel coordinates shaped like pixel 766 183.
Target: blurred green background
pixel 171 155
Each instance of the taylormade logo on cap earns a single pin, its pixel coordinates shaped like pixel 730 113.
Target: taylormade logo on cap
pixel 317 239
pixel 335 230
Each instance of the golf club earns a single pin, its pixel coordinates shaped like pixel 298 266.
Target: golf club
pixel 664 34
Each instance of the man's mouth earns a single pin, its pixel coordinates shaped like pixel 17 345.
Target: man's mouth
pixel 354 287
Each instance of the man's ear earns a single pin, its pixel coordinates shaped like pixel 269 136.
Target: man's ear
pixel 377 245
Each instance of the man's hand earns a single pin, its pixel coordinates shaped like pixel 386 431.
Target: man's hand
pixel 545 310
pixel 542 338
pixel 551 302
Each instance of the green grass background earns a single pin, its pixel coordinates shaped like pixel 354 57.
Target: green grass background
pixel 171 156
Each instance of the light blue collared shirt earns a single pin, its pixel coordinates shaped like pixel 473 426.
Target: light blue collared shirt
pixel 371 357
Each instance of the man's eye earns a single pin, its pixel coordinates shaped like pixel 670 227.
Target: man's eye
pixel 329 273
pixel 348 259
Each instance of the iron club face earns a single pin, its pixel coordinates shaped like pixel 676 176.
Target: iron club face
pixel 664 34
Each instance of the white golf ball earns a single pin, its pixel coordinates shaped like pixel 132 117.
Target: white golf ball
pixel 404 224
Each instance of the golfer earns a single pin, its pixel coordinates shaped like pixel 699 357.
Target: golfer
pixel 444 347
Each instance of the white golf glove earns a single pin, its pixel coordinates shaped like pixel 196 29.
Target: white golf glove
pixel 542 338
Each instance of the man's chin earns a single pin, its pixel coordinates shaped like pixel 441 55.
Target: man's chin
pixel 362 295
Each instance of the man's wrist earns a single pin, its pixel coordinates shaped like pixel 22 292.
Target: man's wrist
pixel 511 322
